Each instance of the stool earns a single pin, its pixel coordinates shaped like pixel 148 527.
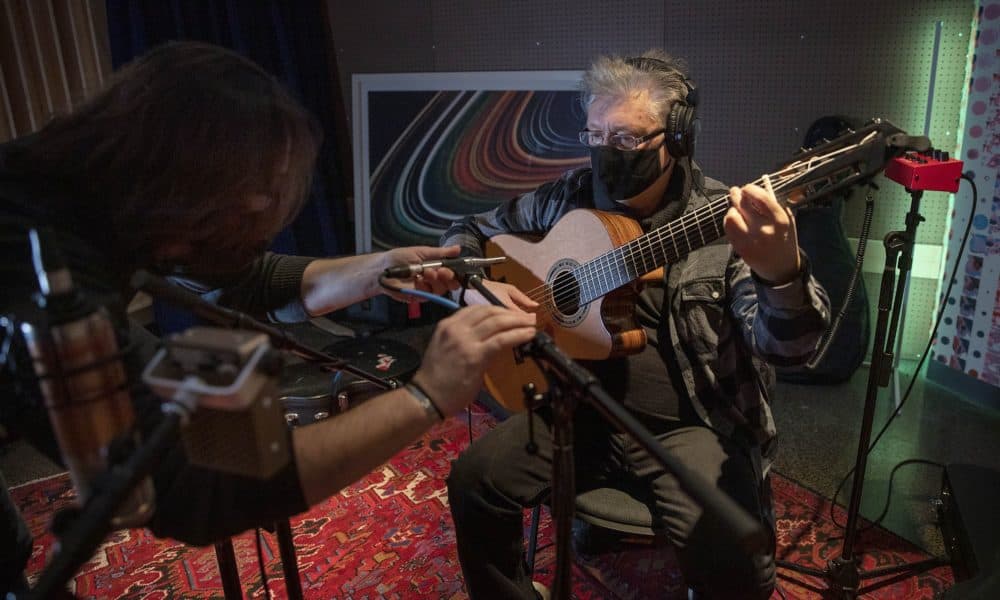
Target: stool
pixel 616 516
pixel 225 556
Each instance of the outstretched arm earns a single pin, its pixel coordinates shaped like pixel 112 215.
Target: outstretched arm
pixel 332 283
pixel 336 452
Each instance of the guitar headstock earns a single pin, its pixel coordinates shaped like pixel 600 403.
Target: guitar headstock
pixel 850 159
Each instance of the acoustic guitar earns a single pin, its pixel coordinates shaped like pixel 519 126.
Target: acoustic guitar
pixel 587 270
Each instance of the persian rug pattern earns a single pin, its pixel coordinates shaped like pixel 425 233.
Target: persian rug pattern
pixel 390 536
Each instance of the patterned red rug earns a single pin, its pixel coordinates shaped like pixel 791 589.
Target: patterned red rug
pixel 390 536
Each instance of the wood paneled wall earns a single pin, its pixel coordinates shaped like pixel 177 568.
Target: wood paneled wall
pixel 52 54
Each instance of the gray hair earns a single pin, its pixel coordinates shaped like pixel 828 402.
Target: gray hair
pixel 613 77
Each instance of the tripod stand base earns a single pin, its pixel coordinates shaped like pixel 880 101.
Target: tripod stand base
pixel 844 576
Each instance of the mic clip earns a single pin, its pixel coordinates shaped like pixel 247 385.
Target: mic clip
pixel 460 266
pixel 216 365
pixel 226 381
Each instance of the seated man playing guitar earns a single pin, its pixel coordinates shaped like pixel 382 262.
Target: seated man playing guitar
pixel 714 315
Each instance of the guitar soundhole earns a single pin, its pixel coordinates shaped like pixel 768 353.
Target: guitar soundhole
pixel 566 294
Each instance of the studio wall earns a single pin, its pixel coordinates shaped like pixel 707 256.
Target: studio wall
pixel 52 54
pixel 766 71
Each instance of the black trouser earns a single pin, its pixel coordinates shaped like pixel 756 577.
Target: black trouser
pixel 495 479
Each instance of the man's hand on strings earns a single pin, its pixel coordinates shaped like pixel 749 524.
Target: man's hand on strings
pixel 763 233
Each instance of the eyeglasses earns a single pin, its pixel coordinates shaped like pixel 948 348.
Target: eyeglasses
pixel 621 141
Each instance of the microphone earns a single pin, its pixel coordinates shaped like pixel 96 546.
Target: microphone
pixel 223 382
pixel 458 265
pixel 159 287
pixel 82 379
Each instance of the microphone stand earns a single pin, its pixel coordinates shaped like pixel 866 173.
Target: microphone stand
pixel 85 530
pixel 158 287
pixel 80 530
pixel 569 383
pixel 843 573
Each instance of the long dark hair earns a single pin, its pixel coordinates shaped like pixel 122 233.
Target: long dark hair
pixel 172 148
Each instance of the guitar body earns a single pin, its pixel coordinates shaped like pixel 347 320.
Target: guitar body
pixel 601 329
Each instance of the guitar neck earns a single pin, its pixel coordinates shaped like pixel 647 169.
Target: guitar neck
pixel 834 165
pixel 662 246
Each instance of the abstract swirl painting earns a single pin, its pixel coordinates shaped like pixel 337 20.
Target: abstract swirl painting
pixel 434 156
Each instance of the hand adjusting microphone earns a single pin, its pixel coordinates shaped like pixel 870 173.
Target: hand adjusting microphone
pixel 460 266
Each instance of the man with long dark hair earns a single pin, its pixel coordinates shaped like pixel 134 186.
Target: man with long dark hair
pixel 189 163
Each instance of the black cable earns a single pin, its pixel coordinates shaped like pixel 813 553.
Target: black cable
pixel 859 259
pixel 920 364
pixel 260 564
pixel 888 495
pixel 383 281
pixel 538 549
pixel 445 302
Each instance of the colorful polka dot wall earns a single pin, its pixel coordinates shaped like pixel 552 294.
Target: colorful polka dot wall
pixel 968 339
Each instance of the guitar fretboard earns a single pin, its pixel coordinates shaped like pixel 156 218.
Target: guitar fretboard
pixel 648 252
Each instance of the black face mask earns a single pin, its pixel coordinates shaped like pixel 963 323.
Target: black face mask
pixel 621 174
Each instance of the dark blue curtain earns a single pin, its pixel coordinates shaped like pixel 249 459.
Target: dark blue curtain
pixel 289 39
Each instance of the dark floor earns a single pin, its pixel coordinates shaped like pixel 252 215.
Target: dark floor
pixel 819 428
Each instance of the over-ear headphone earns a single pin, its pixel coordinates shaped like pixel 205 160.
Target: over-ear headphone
pixel 682 123
pixel 827 128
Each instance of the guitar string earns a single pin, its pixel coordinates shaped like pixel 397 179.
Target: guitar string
pixel 627 257
pixel 642 248
pixel 622 257
pixel 550 295
pixel 645 247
